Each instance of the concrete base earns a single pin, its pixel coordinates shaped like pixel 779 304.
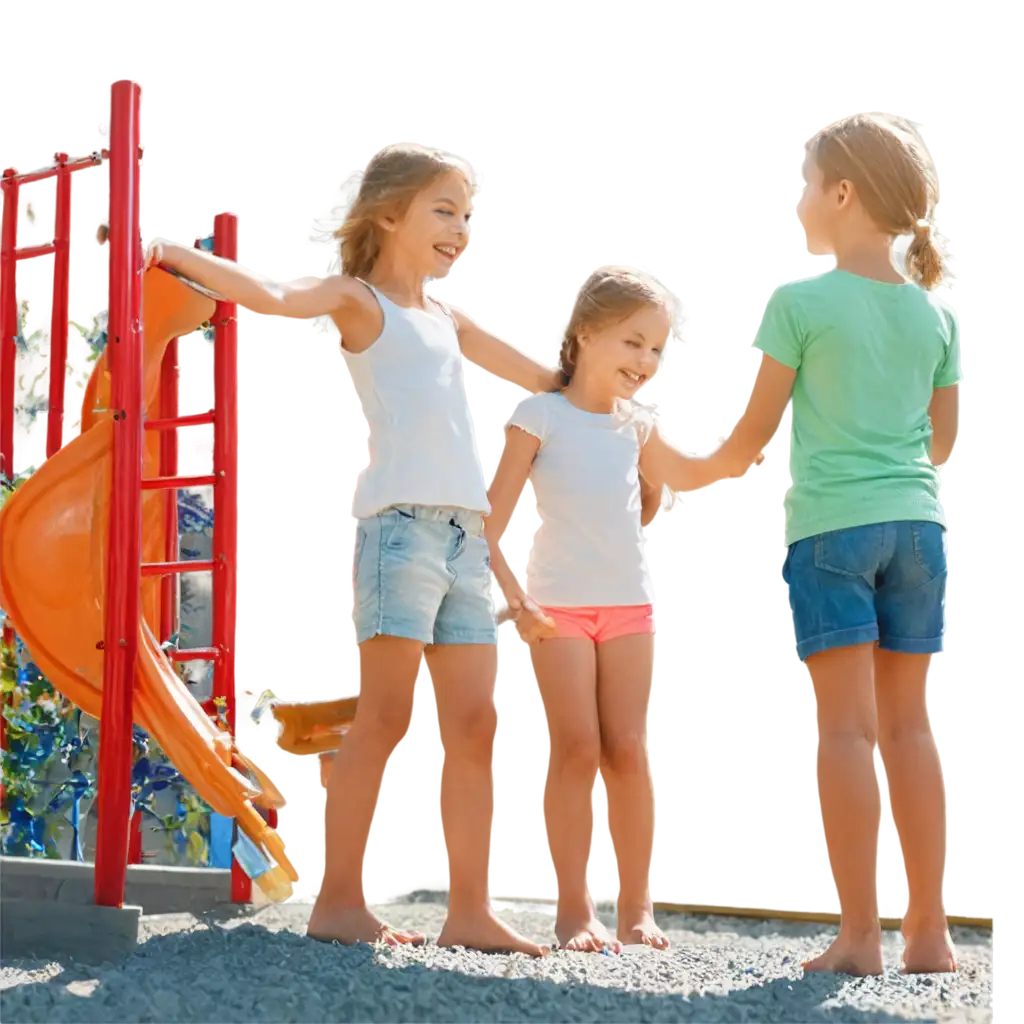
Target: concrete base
pixel 159 889
pixel 48 930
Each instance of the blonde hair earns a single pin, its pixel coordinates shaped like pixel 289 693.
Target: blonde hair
pixel 888 163
pixel 609 296
pixel 392 179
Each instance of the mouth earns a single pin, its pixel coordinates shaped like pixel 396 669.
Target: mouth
pixel 449 252
pixel 635 379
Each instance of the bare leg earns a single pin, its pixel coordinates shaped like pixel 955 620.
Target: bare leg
pixel 918 800
pixel 566 672
pixel 463 677
pixel 850 805
pixel 388 668
pixel 624 669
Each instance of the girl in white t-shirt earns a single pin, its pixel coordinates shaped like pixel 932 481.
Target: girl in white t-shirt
pixel 599 467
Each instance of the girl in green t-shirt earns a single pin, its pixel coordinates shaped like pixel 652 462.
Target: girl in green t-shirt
pixel 871 360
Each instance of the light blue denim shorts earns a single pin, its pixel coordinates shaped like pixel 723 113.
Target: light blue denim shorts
pixel 423 573
pixel 883 584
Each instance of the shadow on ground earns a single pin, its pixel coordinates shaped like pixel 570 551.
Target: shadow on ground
pixel 252 973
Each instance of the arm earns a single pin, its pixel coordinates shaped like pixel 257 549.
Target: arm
pixel 304 298
pixel 650 500
pixel 757 426
pixel 944 412
pixel 662 462
pixel 506 495
pixel 503 360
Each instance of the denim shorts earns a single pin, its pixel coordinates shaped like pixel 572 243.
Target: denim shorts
pixel 423 573
pixel 883 584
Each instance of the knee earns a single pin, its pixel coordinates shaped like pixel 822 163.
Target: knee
pixel 471 733
pixel 625 754
pixel 893 733
pixel 381 728
pixel 857 731
pixel 576 755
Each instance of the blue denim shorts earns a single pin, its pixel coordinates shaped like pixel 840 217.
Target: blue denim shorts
pixel 423 573
pixel 883 584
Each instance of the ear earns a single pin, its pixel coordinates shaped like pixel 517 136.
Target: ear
pixel 387 222
pixel 844 193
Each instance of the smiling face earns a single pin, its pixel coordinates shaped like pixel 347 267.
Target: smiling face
pixel 434 230
pixel 621 357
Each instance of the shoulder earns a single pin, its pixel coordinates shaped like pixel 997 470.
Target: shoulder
pixel 642 418
pixel 942 309
pixel 537 414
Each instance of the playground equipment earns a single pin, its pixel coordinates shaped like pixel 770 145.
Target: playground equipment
pixel 89 543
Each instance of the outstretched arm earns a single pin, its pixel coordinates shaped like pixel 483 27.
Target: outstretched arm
pixel 662 463
pixel 502 359
pixel 304 298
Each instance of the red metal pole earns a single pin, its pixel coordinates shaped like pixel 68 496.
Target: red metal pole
pixel 8 320
pixel 169 467
pixel 8 360
pixel 124 554
pixel 225 519
pixel 59 317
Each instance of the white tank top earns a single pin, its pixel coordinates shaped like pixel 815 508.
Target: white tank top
pixel 411 387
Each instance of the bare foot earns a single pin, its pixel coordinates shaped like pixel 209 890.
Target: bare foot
pixel 928 952
pixel 350 925
pixel 585 934
pixel 483 930
pixel 858 955
pixel 638 928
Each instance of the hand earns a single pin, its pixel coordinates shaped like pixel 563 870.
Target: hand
pixel 154 255
pixel 736 469
pixel 531 622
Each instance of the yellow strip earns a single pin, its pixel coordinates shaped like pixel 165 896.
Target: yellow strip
pixel 888 923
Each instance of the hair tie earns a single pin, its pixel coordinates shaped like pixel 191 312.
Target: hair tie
pixel 923 229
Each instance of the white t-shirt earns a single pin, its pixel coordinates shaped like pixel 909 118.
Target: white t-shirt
pixel 422 445
pixel 589 550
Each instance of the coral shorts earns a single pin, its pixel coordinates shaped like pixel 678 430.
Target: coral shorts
pixel 603 623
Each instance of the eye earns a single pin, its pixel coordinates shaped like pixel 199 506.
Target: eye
pixel 632 343
pixel 444 213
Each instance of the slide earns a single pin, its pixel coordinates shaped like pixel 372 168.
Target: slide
pixel 53 548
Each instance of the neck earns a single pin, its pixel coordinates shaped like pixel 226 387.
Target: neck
pixel 396 279
pixel 868 256
pixel 585 394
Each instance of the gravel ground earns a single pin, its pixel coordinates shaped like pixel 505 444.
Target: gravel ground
pixel 259 967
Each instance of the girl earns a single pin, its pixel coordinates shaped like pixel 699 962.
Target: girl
pixel 421 572
pixel 598 466
pixel 872 361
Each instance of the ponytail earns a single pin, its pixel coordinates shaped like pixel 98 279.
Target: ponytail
pixel 924 260
pixel 567 356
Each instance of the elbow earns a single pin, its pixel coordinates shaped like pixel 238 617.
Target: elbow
pixel 941 452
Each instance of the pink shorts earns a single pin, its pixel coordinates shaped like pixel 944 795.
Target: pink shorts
pixel 603 623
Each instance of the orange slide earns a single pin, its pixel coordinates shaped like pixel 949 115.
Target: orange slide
pixel 53 558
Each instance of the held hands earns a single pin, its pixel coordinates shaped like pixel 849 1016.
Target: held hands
pixel 531 622
pixel 733 466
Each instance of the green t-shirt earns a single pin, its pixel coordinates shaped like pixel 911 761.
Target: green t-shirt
pixel 868 356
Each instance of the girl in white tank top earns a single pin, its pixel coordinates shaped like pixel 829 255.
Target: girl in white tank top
pixel 599 467
pixel 421 568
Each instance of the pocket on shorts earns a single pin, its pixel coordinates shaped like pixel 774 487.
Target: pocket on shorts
pixel 358 554
pixel 855 553
pixel 930 546
pixel 395 524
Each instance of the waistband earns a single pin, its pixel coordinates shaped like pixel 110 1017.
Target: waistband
pixel 464 518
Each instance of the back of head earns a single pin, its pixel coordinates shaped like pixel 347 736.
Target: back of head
pixel 392 179
pixel 610 295
pixel 887 162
